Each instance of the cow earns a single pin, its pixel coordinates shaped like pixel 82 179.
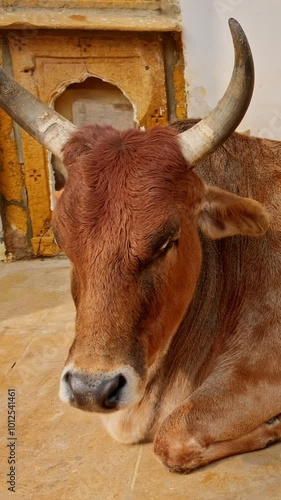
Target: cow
pixel 175 276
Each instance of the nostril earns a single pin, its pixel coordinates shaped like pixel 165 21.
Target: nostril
pixel 67 382
pixel 112 390
pixel 66 377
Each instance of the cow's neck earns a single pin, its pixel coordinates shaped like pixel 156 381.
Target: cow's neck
pixel 208 321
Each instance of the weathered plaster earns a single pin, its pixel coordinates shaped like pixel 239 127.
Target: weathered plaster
pixel 125 15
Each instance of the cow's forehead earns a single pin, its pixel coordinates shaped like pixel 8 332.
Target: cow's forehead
pixel 123 186
pixel 100 158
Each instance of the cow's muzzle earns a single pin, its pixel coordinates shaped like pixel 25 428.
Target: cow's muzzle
pixel 101 391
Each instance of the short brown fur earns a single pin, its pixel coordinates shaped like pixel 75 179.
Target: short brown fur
pixel 200 328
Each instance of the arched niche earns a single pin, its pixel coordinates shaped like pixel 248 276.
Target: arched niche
pixel 93 101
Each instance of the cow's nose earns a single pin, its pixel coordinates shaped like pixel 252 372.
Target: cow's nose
pixel 96 392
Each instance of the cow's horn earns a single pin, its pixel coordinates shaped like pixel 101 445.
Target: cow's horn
pixel 40 121
pixel 211 132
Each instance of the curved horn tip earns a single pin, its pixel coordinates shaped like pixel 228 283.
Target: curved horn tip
pixel 207 135
pixel 237 32
pixel 238 35
pixel 233 22
pixel 235 26
pixel 243 52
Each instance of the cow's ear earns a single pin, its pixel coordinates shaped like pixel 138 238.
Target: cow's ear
pixel 223 214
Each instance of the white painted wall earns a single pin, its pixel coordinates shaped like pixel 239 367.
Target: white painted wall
pixel 209 58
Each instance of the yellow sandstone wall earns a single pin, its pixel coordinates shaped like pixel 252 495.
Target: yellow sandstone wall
pixel 13 194
pixel 137 48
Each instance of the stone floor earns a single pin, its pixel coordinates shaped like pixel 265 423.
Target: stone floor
pixel 63 453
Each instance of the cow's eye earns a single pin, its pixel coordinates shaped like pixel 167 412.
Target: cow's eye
pixel 168 245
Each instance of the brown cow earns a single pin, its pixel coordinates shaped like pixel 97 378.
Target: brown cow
pixel 178 337
pixel 200 379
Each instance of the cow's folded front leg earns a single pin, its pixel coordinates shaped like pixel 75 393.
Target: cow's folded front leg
pixel 178 447
pixel 190 453
pixel 214 424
